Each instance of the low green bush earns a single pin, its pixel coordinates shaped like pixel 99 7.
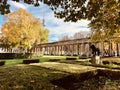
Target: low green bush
pixel 83 57
pixel 71 58
pixel 28 61
pixel 54 60
pixel 22 55
pixel 14 55
pixel 6 55
pixel 2 63
pixel 105 62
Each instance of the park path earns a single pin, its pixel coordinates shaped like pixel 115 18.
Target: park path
pixel 71 68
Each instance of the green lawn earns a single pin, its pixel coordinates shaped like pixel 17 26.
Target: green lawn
pixel 44 58
pixel 47 57
pixel 17 76
pixel 13 62
pixel 111 58
pixel 26 77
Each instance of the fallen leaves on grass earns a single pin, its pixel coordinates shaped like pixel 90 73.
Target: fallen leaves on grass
pixel 28 77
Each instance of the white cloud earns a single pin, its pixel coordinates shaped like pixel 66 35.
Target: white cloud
pixel 17 5
pixel 60 28
pixel 57 27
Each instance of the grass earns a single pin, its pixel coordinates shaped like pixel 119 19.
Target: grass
pixel 26 77
pixel 13 62
pixel 47 57
pixel 44 58
pixel 111 58
pixel 16 76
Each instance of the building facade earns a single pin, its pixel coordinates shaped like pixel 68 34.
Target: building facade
pixel 73 47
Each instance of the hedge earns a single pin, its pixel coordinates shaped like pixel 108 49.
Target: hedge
pixel 71 58
pixel 83 57
pixel 14 55
pixel 28 61
pixel 54 60
pixel 2 63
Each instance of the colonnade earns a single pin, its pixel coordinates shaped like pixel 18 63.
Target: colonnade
pixel 68 49
pixel 75 47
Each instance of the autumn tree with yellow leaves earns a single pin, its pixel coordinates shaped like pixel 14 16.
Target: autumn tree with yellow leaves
pixel 22 30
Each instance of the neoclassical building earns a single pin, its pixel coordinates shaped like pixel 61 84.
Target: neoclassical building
pixel 77 47
pixel 74 47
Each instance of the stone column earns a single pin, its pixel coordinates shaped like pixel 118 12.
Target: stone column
pixel 55 50
pixel 69 49
pixel 58 49
pixel 110 49
pixel 80 48
pixel 117 49
pixel 48 50
pixel 83 48
pixel 102 49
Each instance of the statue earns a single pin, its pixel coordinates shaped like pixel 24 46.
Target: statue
pixel 95 51
pixel 95 59
pixel 93 48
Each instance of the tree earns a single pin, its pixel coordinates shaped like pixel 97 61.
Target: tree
pixel 4 7
pixel 44 36
pixel 22 30
pixel 64 38
pixel 78 35
pixel 104 14
pixel 71 10
pixel 98 36
pixel 108 21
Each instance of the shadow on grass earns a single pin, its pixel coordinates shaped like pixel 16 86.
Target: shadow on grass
pixel 25 77
pixel 93 80
pixel 87 63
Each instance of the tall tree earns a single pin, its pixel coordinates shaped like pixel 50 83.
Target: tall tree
pixel 72 10
pixel 97 36
pixel 4 7
pixel 64 38
pixel 104 14
pixel 78 35
pixel 44 33
pixel 21 30
pixel 108 20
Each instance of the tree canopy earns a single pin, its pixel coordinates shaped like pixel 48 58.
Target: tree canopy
pixel 22 30
pixel 77 35
pixel 108 21
pixel 103 14
pixel 70 10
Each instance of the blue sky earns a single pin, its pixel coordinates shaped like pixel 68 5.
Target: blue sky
pixel 58 28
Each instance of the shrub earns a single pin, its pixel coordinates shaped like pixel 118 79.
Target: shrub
pixel 83 57
pixel 2 63
pixel 14 55
pixel 6 55
pixel 22 55
pixel 71 58
pixel 54 60
pixel 105 62
pixel 28 61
